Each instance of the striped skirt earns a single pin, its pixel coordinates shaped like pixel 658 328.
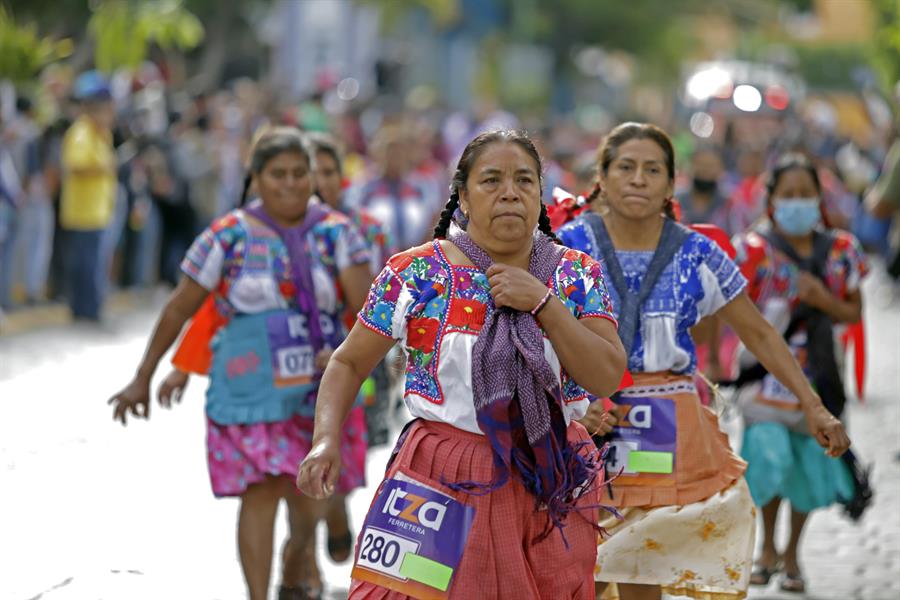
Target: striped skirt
pixel 499 560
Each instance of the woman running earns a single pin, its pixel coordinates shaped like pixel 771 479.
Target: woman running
pixel 492 488
pixel 274 268
pixel 688 519
pixel 806 279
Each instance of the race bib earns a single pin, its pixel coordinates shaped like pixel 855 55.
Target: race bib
pixel 646 440
pixel 772 391
pixel 293 358
pixel 413 540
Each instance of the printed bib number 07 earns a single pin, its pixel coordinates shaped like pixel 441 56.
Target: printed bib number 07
pixel 413 540
pixel 293 359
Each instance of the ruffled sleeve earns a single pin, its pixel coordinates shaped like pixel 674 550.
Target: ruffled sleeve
pixel 350 247
pixel 720 277
pixel 579 236
pixel 205 259
pixel 852 266
pixel 582 287
pixel 380 309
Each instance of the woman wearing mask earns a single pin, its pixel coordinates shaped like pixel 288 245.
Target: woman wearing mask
pixel 492 488
pixel 688 525
pixel 274 268
pixel 806 280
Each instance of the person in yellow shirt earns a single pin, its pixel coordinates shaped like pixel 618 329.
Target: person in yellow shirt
pixel 88 193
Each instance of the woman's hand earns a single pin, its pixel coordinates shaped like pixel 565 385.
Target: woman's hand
pixel 318 473
pixel 599 421
pixel 827 430
pixel 172 388
pixel 134 398
pixel 812 291
pixel 515 288
pixel 322 357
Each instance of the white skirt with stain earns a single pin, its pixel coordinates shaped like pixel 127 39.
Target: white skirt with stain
pixel 702 550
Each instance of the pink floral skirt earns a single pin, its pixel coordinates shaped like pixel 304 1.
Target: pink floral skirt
pixel 241 455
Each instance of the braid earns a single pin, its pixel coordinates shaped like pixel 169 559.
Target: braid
pixel 669 209
pixel 595 193
pixel 248 179
pixel 440 230
pixel 544 225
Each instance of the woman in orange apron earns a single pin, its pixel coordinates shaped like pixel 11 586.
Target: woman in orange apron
pixel 687 523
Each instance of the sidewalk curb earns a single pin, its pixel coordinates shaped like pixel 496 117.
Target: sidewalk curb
pixel 27 319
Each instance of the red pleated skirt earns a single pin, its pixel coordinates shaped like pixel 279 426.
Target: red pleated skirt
pixel 500 560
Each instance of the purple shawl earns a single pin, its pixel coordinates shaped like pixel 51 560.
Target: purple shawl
pixel 518 402
pixel 294 239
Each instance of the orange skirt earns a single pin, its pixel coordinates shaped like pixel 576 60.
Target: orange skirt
pixel 499 560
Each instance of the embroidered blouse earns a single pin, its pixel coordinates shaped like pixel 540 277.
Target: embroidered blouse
pixel 436 309
pixel 699 281
pixel 246 264
pixel 772 286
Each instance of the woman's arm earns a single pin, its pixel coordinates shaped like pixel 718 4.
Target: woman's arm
pixel 186 300
pixel 588 349
pixel 771 350
pixel 355 282
pixel 812 291
pixel 183 303
pixel 350 364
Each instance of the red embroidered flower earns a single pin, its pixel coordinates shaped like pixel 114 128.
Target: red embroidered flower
pixel 422 334
pixel 467 314
pixel 287 289
pixel 401 261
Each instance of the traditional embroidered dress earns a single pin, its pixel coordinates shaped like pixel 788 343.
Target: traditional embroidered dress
pixel 436 310
pixel 784 460
pixel 247 267
pixel 688 517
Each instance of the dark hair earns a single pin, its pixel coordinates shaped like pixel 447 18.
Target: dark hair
pixel 327 144
pixel 789 162
pixel 23 104
pixel 626 132
pixel 464 166
pixel 270 143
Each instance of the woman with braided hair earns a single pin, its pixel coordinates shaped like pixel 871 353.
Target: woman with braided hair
pixel 492 490
pixel 688 525
pixel 282 271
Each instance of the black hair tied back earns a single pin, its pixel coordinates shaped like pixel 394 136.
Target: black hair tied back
pixel 464 166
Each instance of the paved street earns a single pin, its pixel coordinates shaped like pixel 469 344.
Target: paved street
pixel 93 510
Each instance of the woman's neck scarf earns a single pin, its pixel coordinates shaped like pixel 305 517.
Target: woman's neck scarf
pixel 518 402
pixel 294 239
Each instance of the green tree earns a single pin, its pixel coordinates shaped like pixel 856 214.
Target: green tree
pixel 444 12
pixel 124 31
pixel 885 47
pixel 23 52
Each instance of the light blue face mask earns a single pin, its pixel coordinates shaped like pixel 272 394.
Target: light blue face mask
pixel 797 216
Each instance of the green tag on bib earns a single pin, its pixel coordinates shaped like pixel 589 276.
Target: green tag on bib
pixel 650 462
pixel 427 571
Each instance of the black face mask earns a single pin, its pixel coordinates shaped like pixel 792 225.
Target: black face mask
pixel 705 186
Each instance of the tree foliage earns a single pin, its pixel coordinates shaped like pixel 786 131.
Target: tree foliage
pixel 23 52
pixel 886 43
pixel 123 31
pixel 443 12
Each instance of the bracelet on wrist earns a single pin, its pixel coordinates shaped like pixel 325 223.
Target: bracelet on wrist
pixel 540 305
